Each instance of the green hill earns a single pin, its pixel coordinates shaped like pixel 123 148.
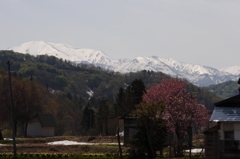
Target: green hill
pixel 79 79
pixel 225 90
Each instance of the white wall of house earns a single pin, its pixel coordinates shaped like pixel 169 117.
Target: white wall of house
pixel 34 128
pixel 237 131
pixel 230 127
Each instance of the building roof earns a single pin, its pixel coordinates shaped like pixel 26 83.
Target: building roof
pixel 227 110
pixel 225 114
pixel 46 120
pixel 230 102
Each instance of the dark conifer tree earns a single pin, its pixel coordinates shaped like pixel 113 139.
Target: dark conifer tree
pixel 88 118
pixel 103 116
pixel 128 98
pixel 137 89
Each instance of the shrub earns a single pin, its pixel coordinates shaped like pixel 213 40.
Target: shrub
pixel 7 133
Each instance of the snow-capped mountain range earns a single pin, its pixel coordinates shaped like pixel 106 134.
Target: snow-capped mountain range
pixel 196 74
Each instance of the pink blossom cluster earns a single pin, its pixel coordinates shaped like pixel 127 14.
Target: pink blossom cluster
pixel 181 109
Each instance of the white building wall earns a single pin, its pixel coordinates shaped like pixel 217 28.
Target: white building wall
pixel 34 129
pixel 237 131
pixel 230 126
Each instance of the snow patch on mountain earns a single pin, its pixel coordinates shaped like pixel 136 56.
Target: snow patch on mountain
pixel 235 70
pixel 197 74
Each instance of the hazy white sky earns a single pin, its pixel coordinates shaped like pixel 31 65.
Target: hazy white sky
pixel 205 32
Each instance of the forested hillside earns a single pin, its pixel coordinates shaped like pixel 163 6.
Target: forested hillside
pixel 225 89
pixel 78 89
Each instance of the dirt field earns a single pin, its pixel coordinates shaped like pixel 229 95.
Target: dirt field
pixel 40 145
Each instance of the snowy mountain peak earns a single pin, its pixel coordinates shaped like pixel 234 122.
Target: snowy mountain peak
pixel 197 74
pixel 235 70
pixel 62 51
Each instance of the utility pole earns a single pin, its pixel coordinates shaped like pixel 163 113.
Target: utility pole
pixel 12 113
pixel 118 135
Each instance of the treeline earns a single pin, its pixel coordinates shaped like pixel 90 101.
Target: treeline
pixel 78 94
pixel 29 98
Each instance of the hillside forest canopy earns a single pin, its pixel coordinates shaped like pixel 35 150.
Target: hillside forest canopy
pixel 78 95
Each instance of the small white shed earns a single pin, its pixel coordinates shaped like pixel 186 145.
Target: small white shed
pixel 41 125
